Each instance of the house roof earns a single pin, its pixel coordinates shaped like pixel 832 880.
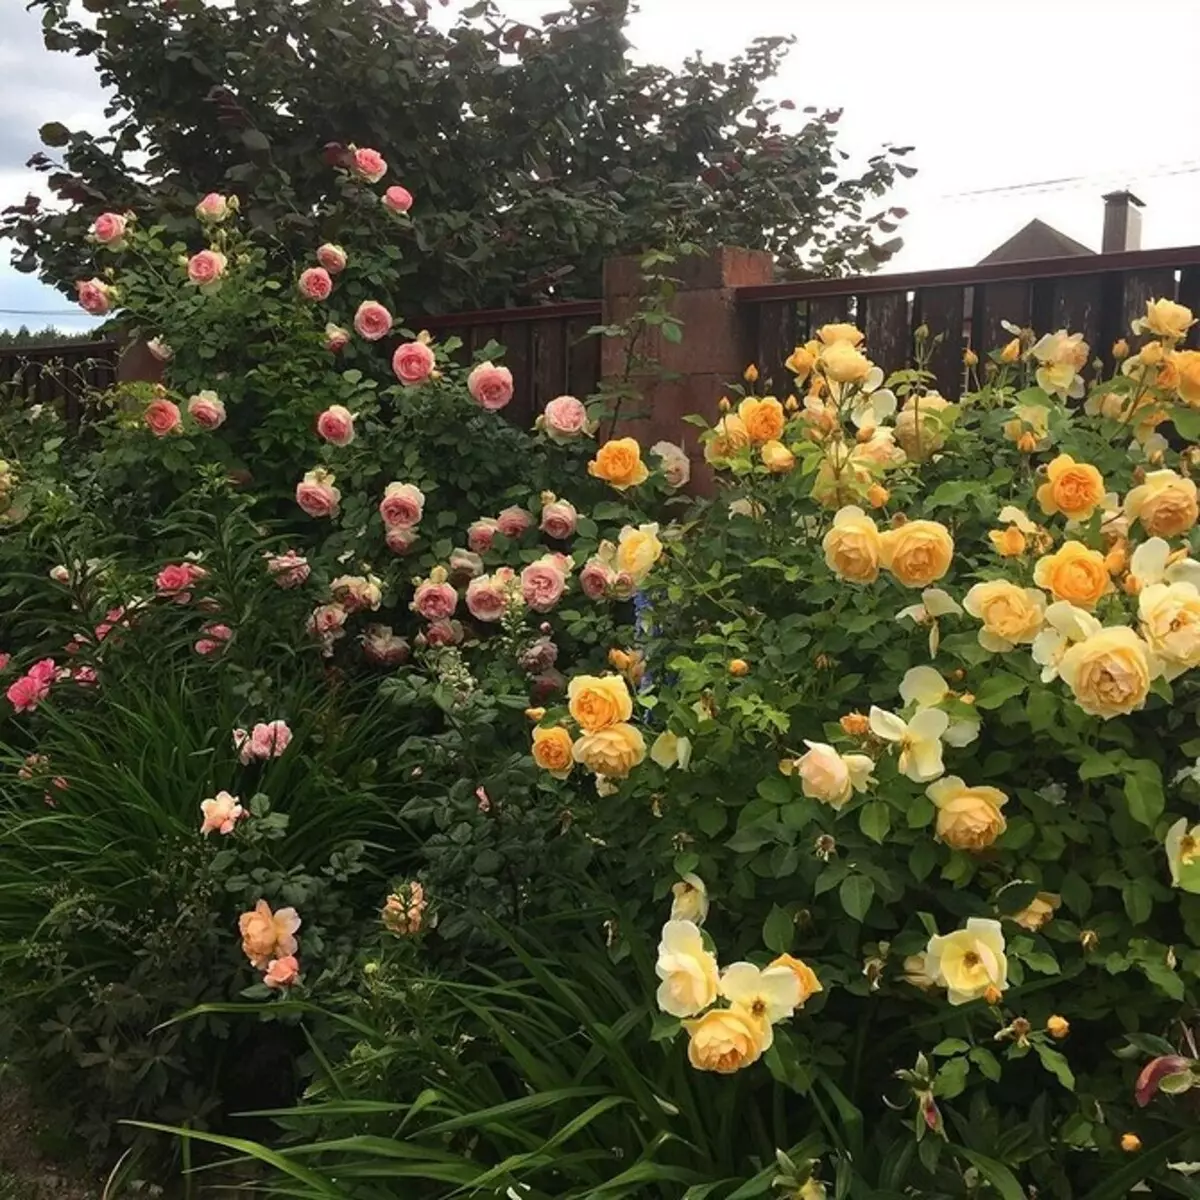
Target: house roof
pixel 1036 240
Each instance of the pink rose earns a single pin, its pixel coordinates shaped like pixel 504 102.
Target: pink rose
pixel 289 569
pixel 206 267
pixel 564 418
pixel 332 258
pixel 435 601
pixel 160 350
pixel 356 593
pixel 372 320
pixel 327 624
pixel 403 505
pixel 382 647
pixel 175 580
pixel 113 618
pixel 215 637
pixel 397 199
pixel 368 165
pixel 464 565
pixel 269 739
pixel 315 284
pixel 400 539
pixel 5 659
pixel 214 207
pixel 44 671
pixel 540 655
pixel 207 410
pixel 336 425
pixel 335 337
pixel 221 814
pixel 95 296
pixel 486 598
pixel 491 387
pixel 413 363
pixel 444 633
pixel 162 417
pixel 481 533
pixel 558 520
pixel 514 521
pixel 542 584
pixel 282 972
pixel 33 687
pixel 316 494
pixel 596 578
pixel 108 229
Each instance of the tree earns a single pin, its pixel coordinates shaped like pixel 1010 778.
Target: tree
pixel 534 151
pixel 49 336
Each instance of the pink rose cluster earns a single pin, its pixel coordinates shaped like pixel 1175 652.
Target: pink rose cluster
pixel 367 164
pixel 316 494
pixel 176 580
pixel 382 647
pixel 327 624
pixel 336 425
pixel 402 507
pixel 601 580
pixel 559 517
pixel 213 640
pixel 435 598
pixel 268 739
pixel 372 320
pixel 544 581
pixel 413 363
pixel 26 693
pixel 95 296
pixel 109 229
pixel 207 410
pixel 336 338
pixel 491 387
pixel 489 595
pixel 397 200
pixel 162 416
pixel 207 268
pixel 287 570
pixel 357 593
pixel 315 283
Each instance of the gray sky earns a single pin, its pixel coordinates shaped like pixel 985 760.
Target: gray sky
pixel 994 94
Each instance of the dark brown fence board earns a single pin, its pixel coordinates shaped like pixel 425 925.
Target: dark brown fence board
pixel 1189 294
pixel 58 375
pixel 940 309
pixel 515 336
pixel 1077 308
pixel 1140 286
pixel 548 375
pixel 776 336
pixel 583 357
pixel 996 302
pixel 827 310
pixel 886 323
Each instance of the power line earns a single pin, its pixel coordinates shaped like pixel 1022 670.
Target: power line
pixel 41 312
pixel 1037 186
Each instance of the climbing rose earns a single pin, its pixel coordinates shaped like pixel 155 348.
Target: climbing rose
pixel 491 387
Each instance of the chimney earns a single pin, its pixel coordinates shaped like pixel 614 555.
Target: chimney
pixel 1122 223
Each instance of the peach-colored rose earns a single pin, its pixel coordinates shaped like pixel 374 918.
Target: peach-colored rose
pixel 315 283
pixel 564 419
pixel 335 337
pixel 559 518
pixel 397 199
pixel 917 553
pixel 1187 371
pixel 282 972
pixel 596 579
pixel 413 363
pixel 464 565
pixel 435 600
pixel 332 258
pixel 289 569
pixel 491 387
pixel 968 818
pixel 1071 488
pixel 675 464
pixel 316 494
pixel 327 619
pixel 400 539
pixel 372 320
pixel 725 1040
pixel 486 598
pixel 852 547
pixel 95 296
pixel 369 165
pixel 357 593
pixel 269 739
pixel 1109 672
pixel 1074 573
pixel 206 267
pixel 1010 614
pixel 619 463
pixel 543 583
pixel 444 633
pixel 207 410
pixel 336 425
pixel 221 814
pixel 481 533
pixel 162 417
pixel 382 647
pixel 403 911
pixel 267 935
pixel 403 505
pixel 1165 503
pixel 108 229
pixel 611 752
pixel 552 747
pixel 213 208
pixel 728 436
pixel 514 521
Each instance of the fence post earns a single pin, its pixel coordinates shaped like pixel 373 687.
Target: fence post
pixel 705 362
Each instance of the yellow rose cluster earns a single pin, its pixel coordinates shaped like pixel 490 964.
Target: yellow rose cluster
pixel 608 745
pixel 917 553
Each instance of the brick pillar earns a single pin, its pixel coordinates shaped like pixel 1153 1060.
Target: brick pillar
pixel 136 364
pixel 707 360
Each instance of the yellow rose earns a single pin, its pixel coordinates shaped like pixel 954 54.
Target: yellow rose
pixel 687 970
pixel 1165 504
pixel 830 777
pixel 552 746
pixel 841 331
pixel 844 364
pixel 1010 614
pixel 919 428
pixel 1009 542
pixel 638 550
pixel 1071 488
pixel 1151 354
pixel 1074 573
pixel 725 1040
pixel 598 701
pixel 806 977
pixel 612 752
pixel 1170 621
pixel 1011 352
pixel 1109 673
pixel 1029 418
pixel 917 553
pixel 840 480
pixel 969 961
pixel 1038 911
pixel 729 435
pixel 1187 367
pixel 802 360
pixel 777 458
pixel 853 546
pixel 1166 319
pixel 763 418
pixel 969 818
pixel 619 463
pixel 690 902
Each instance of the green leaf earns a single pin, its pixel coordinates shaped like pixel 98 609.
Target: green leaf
pixel 778 930
pixel 998 688
pixel 997 1174
pixel 1096 766
pixel 951 1079
pixel 951 1045
pixel 987 1062
pixel 922 858
pixel 856 894
pixel 1139 904
pixel 1186 420
pixel 875 819
pixel 1144 792
pixel 1015 896
pixel 1056 1063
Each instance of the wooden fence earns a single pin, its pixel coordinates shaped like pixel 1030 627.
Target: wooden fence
pixel 1096 295
pixel 59 375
